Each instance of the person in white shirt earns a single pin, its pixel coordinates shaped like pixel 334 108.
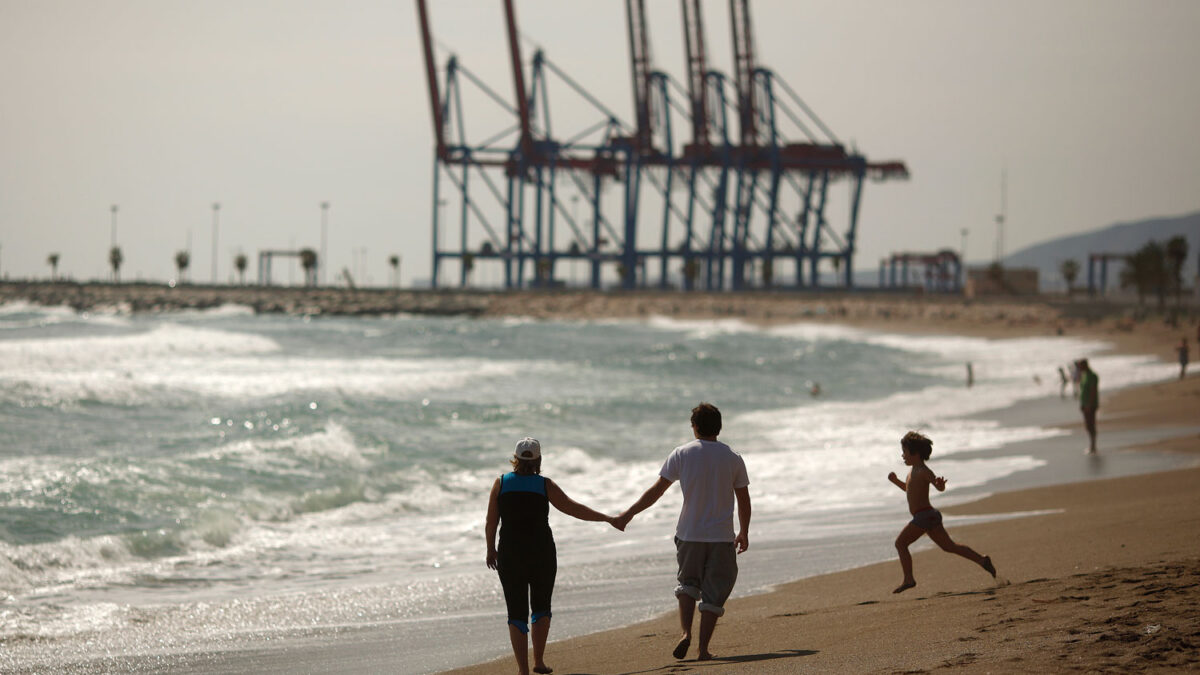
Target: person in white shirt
pixel 712 476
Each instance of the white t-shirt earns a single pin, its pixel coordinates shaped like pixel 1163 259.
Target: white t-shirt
pixel 708 472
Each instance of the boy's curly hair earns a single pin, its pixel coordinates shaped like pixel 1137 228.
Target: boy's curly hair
pixel 918 444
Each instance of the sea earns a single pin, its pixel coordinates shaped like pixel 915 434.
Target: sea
pixel 181 484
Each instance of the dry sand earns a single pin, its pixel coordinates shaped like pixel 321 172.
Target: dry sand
pixel 1108 581
pixel 1105 579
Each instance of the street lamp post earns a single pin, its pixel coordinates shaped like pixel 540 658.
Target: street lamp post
pixel 962 259
pixel 113 238
pixel 323 261
pixel 216 207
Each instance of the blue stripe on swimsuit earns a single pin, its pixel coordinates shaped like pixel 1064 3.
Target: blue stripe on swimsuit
pixel 516 482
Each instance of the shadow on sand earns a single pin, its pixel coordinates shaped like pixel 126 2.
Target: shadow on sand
pixel 683 666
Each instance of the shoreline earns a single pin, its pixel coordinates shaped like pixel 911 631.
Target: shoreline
pixel 1131 328
pixel 373 650
pixel 1038 596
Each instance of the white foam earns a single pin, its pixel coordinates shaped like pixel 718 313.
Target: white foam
pixel 183 360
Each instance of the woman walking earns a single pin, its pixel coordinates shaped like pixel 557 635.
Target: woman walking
pixel 526 558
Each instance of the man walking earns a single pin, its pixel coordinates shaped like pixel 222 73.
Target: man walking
pixel 712 476
pixel 1089 401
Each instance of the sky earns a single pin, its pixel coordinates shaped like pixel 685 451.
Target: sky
pixel 1091 108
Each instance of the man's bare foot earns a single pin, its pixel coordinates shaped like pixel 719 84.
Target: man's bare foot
pixel 705 656
pixel 682 647
pixel 543 669
pixel 904 586
pixel 987 565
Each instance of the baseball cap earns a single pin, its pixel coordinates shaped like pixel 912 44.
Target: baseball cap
pixel 528 448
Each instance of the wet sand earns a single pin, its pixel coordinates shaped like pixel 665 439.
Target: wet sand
pixel 1105 579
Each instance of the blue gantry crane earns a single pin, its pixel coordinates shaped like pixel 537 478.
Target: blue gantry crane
pixel 738 205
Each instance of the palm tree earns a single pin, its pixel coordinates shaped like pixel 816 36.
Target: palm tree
pixel 239 261
pixel 394 261
pixel 1176 253
pixel 115 259
pixel 468 266
pixel 308 260
pixel 182 259
pixel 1069 270
pixel 52 261
pixel 542 270
pixel 691 270
pixel 1146 271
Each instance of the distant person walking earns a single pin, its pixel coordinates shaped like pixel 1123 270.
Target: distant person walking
pixel 712 476
pixel 1183 357
pixel 970 375
pixel 1089 400
pixel 526 558
pixel 1062 382
pixel 915 450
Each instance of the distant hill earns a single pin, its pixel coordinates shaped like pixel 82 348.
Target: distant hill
pixel 1119 238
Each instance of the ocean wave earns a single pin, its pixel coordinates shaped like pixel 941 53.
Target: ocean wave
pixel 174 363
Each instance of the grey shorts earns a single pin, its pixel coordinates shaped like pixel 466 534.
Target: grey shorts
pixel 707 572
pixel 927 519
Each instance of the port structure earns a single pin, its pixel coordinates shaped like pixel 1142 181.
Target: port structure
pixel 737 204
pixel 941 271
pixel 1098 262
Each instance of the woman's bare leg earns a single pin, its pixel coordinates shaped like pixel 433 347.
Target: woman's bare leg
pixel 540 631
pixel 520 646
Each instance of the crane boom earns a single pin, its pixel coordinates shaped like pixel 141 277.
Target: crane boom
pixel 435 96
pixel 639 58
pixel 697 70
pixel 743 68
pixel 514 47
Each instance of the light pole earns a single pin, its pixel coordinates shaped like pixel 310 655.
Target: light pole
pixel 113 243
pixel 216 211
pixel 1000 217
pixel 962 259
pixel 322 261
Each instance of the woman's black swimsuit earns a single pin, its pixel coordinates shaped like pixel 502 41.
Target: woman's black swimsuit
pixel 526 558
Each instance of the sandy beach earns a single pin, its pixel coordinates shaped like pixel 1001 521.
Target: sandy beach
pixel 1094 576
pixel 1103 579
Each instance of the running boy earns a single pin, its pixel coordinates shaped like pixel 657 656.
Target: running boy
pixel 915 449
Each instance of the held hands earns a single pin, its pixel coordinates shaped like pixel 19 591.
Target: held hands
pixel 621 521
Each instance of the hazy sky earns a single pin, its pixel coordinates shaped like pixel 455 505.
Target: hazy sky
pixel 273 106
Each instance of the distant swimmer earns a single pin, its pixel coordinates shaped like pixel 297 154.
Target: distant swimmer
pixel 815 389
pixel 915 449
